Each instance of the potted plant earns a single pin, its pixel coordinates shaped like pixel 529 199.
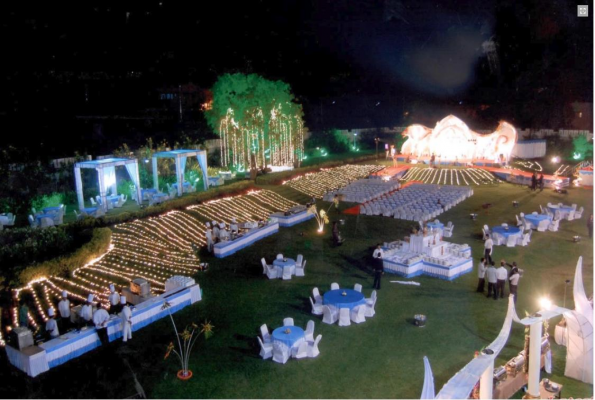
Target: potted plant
pixel 188 338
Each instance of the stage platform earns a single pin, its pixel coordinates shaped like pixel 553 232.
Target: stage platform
pixel 451 163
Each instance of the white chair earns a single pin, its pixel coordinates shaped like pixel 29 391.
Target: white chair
pixel 264 265
pixel 335 286
pixel 266 349
pixel 93 201
pixel 302 350
pixel 299 260
pixel 78 216
pixel 344 317
pixel 485 234
pixel 370 304
pixel 46 223
pixel 316 308
pixel 511 241
pixel 518 221
pixel 553 226
pixel 448 231
pixel 309 333
pixel 313 347
pixel 542 225
pixel 317 296
pixel 357 287
pixel 541 208
pixel 578 214
pixel 280 353
pixel 288 322
pixel 286 275
pixel 358 314
pixel 330 315
pixel 570 216
pixel 300 269
pixel 266 336
pixel 574 206
pixel 272 272
pixel 279 256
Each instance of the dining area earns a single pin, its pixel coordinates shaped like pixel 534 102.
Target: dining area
pixel 288 341
pixel 343 305
pixel 284 267
pixel 47 217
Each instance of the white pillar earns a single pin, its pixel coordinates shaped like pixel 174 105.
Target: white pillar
pixel 534 358
pixel 139 196
pixel 486 383
pixel 102 188
pixel 79 187
pixel 155 177
pixel 179 178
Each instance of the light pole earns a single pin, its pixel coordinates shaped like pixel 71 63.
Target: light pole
pixel 376 140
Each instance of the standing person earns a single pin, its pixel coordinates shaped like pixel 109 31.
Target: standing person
pixel 100 319
pixel 378 266
pixel 336 202
pixel 488 248
pixel 86 313
pixel 540 182
pixel 23 314
pixel 481 273
pixel 432 160
pixel 514 282
pixel 64 309
pixel 126 318
pixel 492 280
pixel 502 276
pixel 114 299
pixel 590 226
pixel 215 232
pixel 233 227
pixel 51 326
pixel 209 237
pixel 533 181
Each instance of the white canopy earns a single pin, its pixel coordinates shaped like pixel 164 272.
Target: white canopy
pixel 180 159
pixel 106 171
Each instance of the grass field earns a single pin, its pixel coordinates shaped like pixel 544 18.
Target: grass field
pixel 381 358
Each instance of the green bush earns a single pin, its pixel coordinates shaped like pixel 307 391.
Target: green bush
pixel 48 200
pixel 63 266
pixel 331 140
pixel 125 187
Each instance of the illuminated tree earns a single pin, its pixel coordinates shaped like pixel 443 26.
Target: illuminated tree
pixel 582 148
pixel 253 115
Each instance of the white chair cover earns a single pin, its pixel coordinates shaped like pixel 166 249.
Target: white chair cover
pixel 344 317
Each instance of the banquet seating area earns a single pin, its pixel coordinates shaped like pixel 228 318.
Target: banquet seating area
pixel 288 341
pixel 343 305
pixel 418 202
pixel 283 267
pixel 363 190
pixel 49 216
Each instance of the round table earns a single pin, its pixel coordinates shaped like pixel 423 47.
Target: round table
pixel 512 230
pixel 294 338
pixel 434 225
pixel 352 298
pixel 536 219
pixel 564 210
pixel 284 263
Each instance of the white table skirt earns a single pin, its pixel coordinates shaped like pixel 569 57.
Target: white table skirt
pixel 32 365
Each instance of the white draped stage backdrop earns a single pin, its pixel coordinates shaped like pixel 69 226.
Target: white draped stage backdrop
pixel 180 157
pixel 579 357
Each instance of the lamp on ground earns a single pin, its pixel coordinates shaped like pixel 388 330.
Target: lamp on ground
pixel 577 239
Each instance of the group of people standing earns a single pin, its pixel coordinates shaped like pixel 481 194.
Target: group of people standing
pixel 497 278
pixel 88 315
pixel 537 182
pixel 219 232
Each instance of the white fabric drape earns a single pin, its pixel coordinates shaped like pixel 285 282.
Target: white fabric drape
pixel 202 161
pixel 109 176
pixel 183 165
pixel 132 169
pixel 79 188
pixel 428 390
pixel 548 362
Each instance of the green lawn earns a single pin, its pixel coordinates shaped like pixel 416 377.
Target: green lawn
pixel 381 358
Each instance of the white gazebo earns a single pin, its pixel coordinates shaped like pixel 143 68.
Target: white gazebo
pixel 106 171
pixel 180 157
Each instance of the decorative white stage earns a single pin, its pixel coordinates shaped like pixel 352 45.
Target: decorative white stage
pixel 224 249
pixel 292 219
pixel 35 360
pixel 427 255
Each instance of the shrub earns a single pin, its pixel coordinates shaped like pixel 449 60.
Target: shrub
pixel 63 266
pixel 48 200
pixel 331 140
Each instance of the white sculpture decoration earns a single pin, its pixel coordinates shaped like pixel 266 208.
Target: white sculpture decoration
pixel 452 140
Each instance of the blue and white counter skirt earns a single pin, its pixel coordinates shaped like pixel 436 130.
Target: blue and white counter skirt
pixel 444 260
pixel 292 219
pixel 74 344
pixel 224 249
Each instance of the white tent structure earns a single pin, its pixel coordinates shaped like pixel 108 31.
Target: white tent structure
pixel 579 332
pixel 180 157
pixel 106 171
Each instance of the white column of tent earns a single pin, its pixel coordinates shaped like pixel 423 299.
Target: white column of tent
pixel 534 358
pixel 179 177
pixel 101 179
pixel 79 187
pixel 155 176
pixel 138 188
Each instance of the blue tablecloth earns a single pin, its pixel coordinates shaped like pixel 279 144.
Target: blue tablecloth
pixel 113 199
pixel 289 339
pixel 352 298
pixel 175 185
pixel 512 230
pixel 159 195
pixel 283 264
pixel 565 209
pixel 433 225
pixel 40 216
pixel 144 192
pixel 48 209
pixel 90 210
pixel 535 219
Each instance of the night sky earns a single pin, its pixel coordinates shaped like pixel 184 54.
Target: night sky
pixel 350 63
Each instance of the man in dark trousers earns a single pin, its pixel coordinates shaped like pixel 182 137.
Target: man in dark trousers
pixel 492 280
pixel 502 277
pixel 378 266
pixel 481 274
pixel 533 181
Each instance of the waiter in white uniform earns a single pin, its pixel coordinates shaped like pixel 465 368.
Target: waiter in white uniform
pixel 126 317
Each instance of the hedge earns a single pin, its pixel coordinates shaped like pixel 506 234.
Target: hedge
pixel 276 178
pixel 63 266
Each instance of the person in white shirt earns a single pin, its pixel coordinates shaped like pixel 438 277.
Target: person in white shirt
pixel 378 266
pixel 126 318
pixel 492 279
pixel 215 231
pixel 233 226
pixel 64 309
pixel 209 237
pixel 481 274
pixel 488 249
pixel 51 326
pixel 100 319
pixel 86 313
pixel 114 299
pixel 502 275
pixel 514 282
